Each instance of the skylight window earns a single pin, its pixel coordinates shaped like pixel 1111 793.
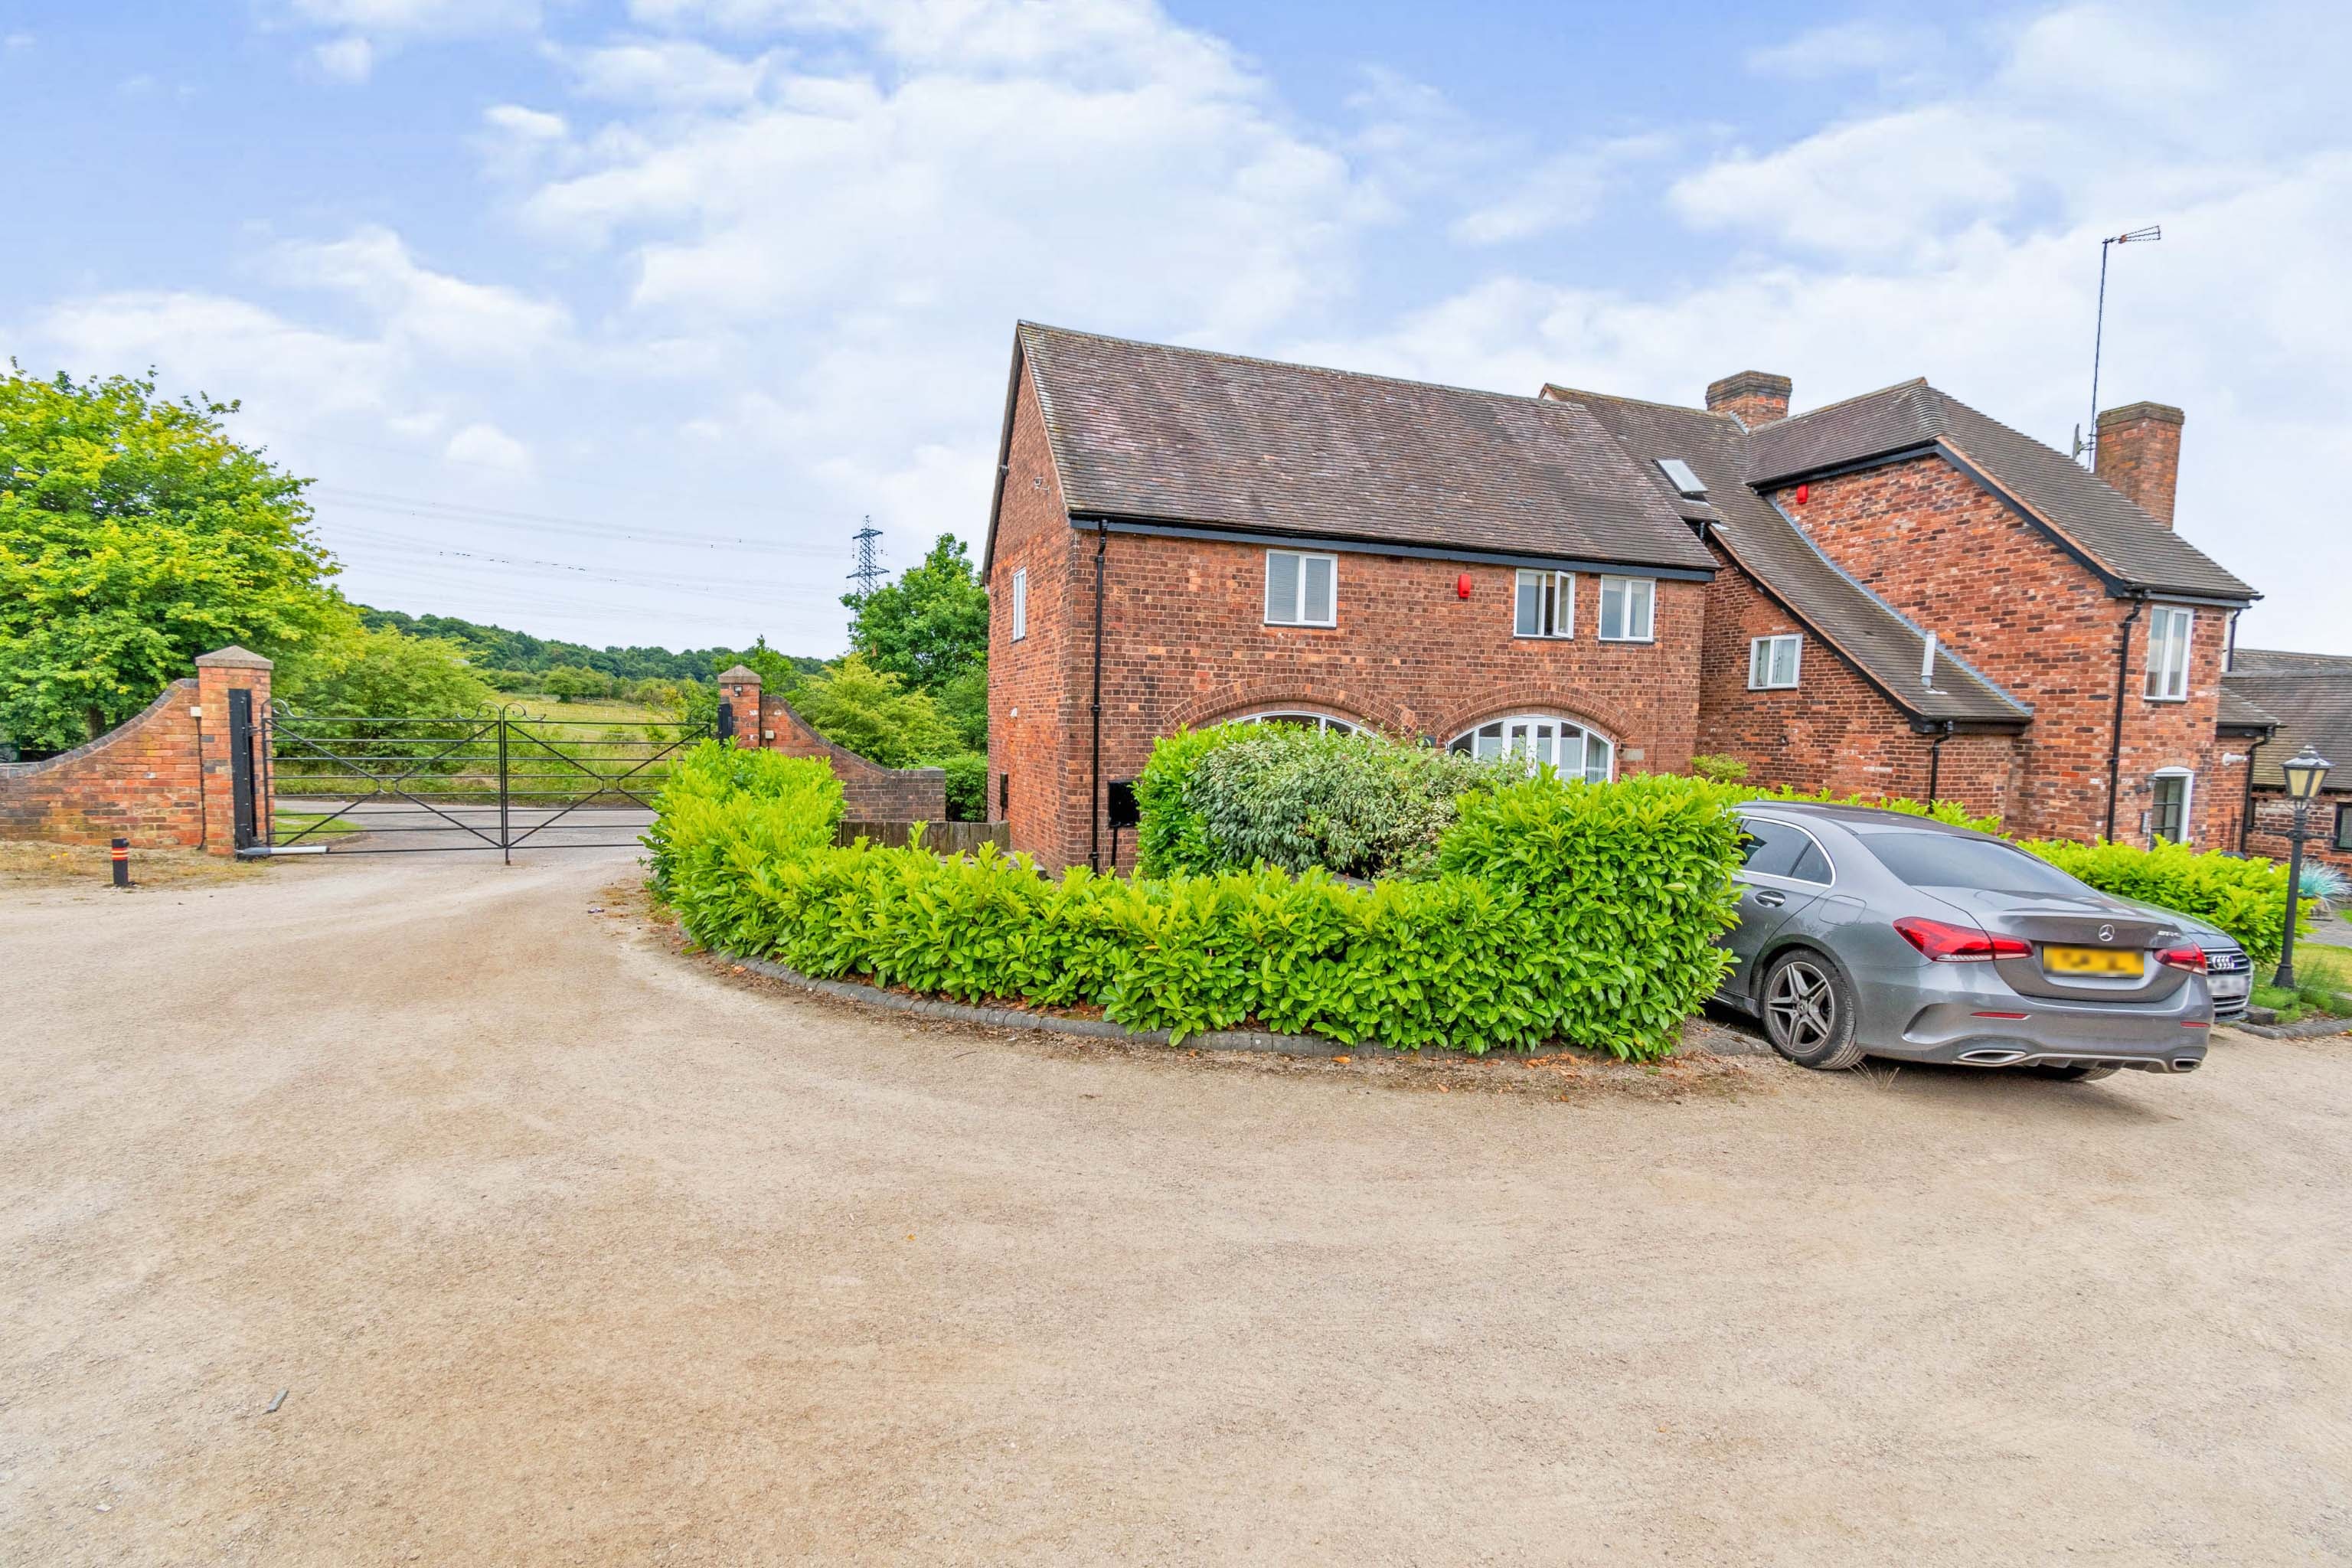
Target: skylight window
pixel 1679 474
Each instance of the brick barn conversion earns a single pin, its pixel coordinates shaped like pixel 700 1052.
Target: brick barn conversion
pixel 1893 594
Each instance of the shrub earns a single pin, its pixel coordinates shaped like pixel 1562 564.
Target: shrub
pixel 2246 899
pixel 967 786
pixel 1575 912
pixel 1172 837
pixel 1717 769
pixel 1949 811
pixel 1358 806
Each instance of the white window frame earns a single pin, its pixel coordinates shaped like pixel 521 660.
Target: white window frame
pixel 1760 661
pixel 2187 778
pixel 1649 600
pixel 1511 728
pixel 1020 602
pixel 1562 585
pixel 1299 601
pixel 2171 639
pixel 1323 722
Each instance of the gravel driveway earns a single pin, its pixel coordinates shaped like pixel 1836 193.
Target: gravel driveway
pixel 570 1249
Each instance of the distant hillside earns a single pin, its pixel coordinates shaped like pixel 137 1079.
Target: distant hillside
pixel 497 648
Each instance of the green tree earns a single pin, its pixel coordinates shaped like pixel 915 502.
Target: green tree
pixel 872 713
pixel 570 682
pixel 134 535
pixel 384 675
pixel 930 626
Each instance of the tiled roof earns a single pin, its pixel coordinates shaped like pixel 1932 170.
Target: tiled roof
pixel 2097 519
pixel 1174 435
pixel 2238 711
pixel 2310 695
pixel 1885 645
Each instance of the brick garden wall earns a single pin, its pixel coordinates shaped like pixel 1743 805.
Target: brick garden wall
pixel 870 792
pixel 2002 596
pixel 139 781
pixel 160 778
pixel 1835 730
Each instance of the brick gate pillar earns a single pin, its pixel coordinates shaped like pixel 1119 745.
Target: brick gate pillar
pixel 219 673
pixel 739 691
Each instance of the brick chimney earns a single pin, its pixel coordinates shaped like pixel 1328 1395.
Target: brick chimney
pixel 2139 454
pixel 1754 397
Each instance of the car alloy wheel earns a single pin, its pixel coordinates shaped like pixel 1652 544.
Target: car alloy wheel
pixel 1809 1013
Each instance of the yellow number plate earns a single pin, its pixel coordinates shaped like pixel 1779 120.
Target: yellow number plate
pixel 2090 961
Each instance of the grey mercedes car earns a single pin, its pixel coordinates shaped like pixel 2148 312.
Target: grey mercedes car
pixel 1873 933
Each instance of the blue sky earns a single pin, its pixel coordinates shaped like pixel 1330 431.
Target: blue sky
pixel 612 320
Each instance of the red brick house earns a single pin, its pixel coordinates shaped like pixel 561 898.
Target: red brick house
pixel 2305 699
pixel 1892 593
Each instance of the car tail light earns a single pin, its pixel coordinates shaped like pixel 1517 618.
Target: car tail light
pixel 2190 958
pixel 1947 943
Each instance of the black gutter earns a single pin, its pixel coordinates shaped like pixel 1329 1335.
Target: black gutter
pixel 1157 529
pixel 1093 786
pixel 2116 737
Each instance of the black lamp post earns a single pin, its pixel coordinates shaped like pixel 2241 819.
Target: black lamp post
pixel 2306 771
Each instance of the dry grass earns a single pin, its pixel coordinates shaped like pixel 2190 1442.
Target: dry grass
pixel 61 864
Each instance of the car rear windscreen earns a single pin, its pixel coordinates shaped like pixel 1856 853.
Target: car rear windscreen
pixel 1948 860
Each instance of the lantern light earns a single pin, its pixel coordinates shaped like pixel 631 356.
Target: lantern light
pixel 2306 771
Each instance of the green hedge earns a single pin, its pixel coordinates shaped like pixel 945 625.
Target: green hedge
pixel 1583 913
pixel 2246 899
pixel 1358 806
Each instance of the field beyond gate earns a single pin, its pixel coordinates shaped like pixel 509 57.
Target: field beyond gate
pixel 348 785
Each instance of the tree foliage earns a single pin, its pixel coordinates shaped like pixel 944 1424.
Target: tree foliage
pixel 134 535
pixel 930 626
pixel 872 713
pixel 384 675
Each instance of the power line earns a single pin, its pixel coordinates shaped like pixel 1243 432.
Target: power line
pixel 544 523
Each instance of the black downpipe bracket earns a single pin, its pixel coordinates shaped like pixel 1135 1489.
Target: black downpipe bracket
pixel 1094 781
pixel 2116 736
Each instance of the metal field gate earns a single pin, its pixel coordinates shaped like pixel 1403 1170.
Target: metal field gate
pixel 342 784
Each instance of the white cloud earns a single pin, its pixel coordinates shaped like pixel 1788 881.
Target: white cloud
pixel 666 71
pixel 1559 192
pixel 522 124
pixel 16 41
pixel 483 445
pixel 351 58
pixel 432 312
pixel 1862 45
pixel 422 18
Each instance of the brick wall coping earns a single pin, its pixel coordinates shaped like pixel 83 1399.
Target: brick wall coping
pixel 232 657
pixel 183 689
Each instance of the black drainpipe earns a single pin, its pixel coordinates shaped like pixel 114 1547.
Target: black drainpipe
pixel 1094 784
pixel 1936 759
pixel 2116 737
pixel 2246 815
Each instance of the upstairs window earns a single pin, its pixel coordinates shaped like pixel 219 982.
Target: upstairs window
pixel 1679 475
pixel 1772 662
pixel 2169 628
pixel 1625 603
pixel 1546 604
pixel 1019 603
pixel 1301 590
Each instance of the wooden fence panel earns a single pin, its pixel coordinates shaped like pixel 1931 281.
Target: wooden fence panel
pixel 945 838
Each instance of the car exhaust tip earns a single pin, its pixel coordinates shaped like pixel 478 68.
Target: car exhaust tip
pixel 2187 1064
pixel 1992 1058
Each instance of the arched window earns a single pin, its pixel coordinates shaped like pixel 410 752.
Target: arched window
pixel 1575 751
pixel 1302 720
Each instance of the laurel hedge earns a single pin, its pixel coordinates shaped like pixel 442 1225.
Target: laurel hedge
pixel 1571 912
